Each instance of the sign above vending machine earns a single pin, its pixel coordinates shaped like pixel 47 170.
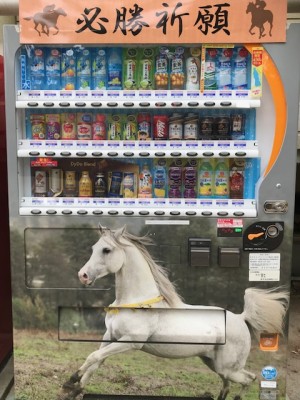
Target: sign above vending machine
pixel 158 21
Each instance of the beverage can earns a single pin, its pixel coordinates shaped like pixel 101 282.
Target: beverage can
pixel 99 127
pixel 222 127
pixel 160 127
pixel 190 128
pixel 40 183
pixel 52 126
pixel 37 122
pixel 68 126
pixel 100 187
pixel 129 185
pixel 115 184
pixel 70 184
pixel 206 127
pixel 84 126
pixel 175 127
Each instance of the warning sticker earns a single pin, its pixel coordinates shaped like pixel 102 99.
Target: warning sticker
pixel 264 267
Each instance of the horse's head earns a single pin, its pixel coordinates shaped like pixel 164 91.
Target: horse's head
pixel 107 256
pixel 250 7
pixel 61 11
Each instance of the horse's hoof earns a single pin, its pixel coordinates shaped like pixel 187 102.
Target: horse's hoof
pixel 237 398
pixel 75 377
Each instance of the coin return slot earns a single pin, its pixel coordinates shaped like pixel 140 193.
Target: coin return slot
pixel 229 257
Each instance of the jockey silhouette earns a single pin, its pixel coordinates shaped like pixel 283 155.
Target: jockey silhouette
pixel 260 4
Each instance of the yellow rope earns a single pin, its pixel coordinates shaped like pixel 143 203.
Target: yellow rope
pixel 142 304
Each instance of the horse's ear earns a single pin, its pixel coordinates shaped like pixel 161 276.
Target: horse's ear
pixel 102 229
pixel 119 232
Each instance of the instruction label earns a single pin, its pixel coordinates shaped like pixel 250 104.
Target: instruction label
pixel 264 267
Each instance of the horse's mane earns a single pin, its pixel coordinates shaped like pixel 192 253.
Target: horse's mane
pixel 160 275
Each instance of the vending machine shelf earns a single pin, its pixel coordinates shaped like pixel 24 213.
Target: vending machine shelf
pixel 156 99
pixel 166 207
pixel 138 149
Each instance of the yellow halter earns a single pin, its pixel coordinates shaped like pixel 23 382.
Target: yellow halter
pixel 141 304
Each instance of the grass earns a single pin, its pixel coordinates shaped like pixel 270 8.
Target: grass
pixel 42 364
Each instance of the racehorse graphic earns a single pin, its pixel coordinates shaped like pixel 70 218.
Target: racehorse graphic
pixel 143 284
pixel 47 19
pixel 259 17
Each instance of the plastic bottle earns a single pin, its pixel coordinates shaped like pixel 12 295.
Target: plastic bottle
pixel 224 69
pixel 190 179
pixel 192 73
pixel 210 70
pixel 114 69
pixel 160 178
pixel 85 185
pixel 240 68
pixel 99 70
pixel 37 69
pixel 205 179
pixel 84 70
pixel 236 179
pixel 221 179
pixel 145 182
pixel 68 69
pixel 53 69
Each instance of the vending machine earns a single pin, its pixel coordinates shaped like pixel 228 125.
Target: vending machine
pixel 151 165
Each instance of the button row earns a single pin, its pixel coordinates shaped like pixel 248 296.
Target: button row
pixel 141 212
pixel 35 153
pixel 127 104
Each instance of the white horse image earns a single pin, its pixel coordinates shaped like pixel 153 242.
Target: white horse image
pixel 141 283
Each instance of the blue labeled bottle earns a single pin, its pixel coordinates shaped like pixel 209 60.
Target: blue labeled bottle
pixel 99 69
pixel 37 69
pixel 53 69
pixel 84 70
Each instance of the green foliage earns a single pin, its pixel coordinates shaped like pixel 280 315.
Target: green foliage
pixel 33 314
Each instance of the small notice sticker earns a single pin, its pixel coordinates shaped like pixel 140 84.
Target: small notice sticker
pixel 264 267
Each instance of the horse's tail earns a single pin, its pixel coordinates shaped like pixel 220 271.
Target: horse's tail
pixel 265 309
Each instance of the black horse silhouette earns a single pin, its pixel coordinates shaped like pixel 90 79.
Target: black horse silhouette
pixel 259 18
pixel 47 19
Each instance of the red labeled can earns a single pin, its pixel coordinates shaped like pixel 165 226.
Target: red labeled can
pixel 160 127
